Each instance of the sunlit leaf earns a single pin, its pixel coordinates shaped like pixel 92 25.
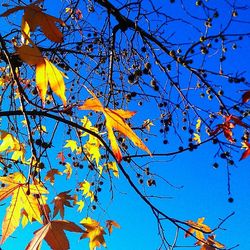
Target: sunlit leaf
pixel 115 120
pixel 94 232
pixel 53 233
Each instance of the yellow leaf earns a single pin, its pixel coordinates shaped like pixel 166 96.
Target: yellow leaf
pixel 197 138
pixel 80 203
pixel 56 82
pixel 85 187
pixel 198 125
pixel 198 228
pixel 41 80
pixel 94 232
pixel 67 170
pixel 23 197
pixel 115 120
pixel 112 166
pixel 71 144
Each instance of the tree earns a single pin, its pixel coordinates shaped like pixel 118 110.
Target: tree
pixel 70 81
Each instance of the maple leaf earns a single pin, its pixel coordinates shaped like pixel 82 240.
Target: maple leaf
pixel 110 166
pixel 198 228
pixel 80 203
pixel 11 144
pixel 72 145
pixel 246 97
pixel 85 187
pixel 61 157
pixel 92 146
pixel 61 200
pixel 230 122
pixel 110 224
pixel 245 145
pixel 34 17
pixel 147 124
pixel 198 125
pixel 51 175
pixel 67 170
pixel 23 197
pixel 53 233
pixel 94 232
pixel 115 119
pixel 197 138
pixel 210 244
pixel 46 72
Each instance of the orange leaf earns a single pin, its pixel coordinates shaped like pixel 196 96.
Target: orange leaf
pixel 46 72
pixel 94 232
pixel 210 244
pixel 54 235
pixel 198 228
pixel 110 224
pixel 34 17
pixel 115 119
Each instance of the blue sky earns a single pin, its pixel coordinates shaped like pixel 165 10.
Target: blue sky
pixel 197 189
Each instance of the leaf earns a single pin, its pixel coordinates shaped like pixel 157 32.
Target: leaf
pixel 147 124
pixel 245 145
pixel 80 203
pixel 34 17
pixel 112 166
pixel 92 146
pixel 51 175
pixel 94 232
pixel 71 144
pixel 197 138
pixel 53 233
pixel 11 144
pixel 30 55
pixel 115 120
pixel 23 197
pixel 61 157
pixel 85 187
pixel 198 125
pixel 56 82
pixel 46 72
pixel 110 224
pixel 67 170
pixel 210 244
pixel 198 228
pixel 61 200
pixel 246 97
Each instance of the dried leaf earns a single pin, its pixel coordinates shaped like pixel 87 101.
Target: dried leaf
pixel 51 175
pixel 61 200
pixel 110 224
pixel 53 233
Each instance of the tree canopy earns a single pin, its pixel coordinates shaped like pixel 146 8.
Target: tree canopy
pixel 100 98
